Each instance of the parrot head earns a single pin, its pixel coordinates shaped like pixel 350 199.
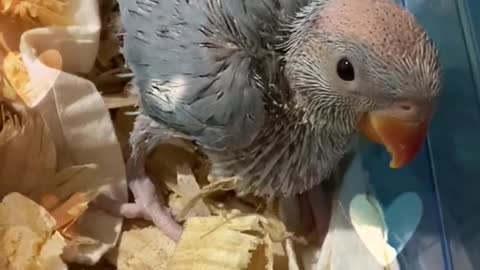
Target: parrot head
pixel 367 66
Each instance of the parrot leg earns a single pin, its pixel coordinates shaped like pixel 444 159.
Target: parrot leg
pixel 308 214
pixel 149 204
pixel 320 204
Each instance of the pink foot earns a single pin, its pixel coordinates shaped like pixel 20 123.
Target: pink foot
pixel 148 206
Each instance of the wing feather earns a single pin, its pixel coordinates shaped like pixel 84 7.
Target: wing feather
pixel 203 66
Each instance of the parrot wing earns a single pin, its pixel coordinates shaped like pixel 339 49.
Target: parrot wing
pixel 204 67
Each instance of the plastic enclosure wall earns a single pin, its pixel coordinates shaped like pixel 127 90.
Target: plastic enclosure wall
pixel 446 175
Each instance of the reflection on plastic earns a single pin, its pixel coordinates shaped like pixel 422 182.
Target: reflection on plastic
pixel 376 226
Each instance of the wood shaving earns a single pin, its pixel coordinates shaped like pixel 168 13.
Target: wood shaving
pixel 66 194
pixel 120 100
pixel 185 189
pixel 67 213
pixel 43 12
pixel 28 240
pixel 238 242
pixel 143 248
pixel 15 75
pixel 16 79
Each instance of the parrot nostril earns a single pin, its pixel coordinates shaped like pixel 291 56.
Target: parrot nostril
pixel 406 110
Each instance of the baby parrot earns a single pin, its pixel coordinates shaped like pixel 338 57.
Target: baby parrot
pixel 274 91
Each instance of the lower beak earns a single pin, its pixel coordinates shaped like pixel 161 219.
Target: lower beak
pixel 403 139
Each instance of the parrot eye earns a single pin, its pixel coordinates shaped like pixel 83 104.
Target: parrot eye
pixel 345 70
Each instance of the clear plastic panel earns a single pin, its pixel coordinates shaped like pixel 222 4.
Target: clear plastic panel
pixel 455 133
pixel 446 175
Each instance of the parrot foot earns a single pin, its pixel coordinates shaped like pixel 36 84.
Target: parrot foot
pixel 148 205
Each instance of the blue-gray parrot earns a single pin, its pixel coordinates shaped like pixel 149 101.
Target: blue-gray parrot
pixel 274 91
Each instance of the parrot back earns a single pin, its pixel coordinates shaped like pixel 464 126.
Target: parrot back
pixel 207 68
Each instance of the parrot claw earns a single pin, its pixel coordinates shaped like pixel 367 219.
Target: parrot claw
pixel 148 206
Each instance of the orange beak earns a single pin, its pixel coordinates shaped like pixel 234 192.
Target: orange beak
pixel 402 138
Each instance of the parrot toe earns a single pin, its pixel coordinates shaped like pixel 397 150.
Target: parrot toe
pixel 148 205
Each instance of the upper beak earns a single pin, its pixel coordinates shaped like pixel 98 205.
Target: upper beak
pixel 402 129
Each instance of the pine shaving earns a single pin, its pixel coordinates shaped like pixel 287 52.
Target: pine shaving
pixel 15 72
pixel 27 236
pixel 143 248
pixel 67 213
pixel 44 12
